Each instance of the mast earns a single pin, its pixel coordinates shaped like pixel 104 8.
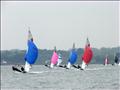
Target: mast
pixel 30 37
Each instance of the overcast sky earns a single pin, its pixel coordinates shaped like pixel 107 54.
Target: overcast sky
pixel 59 23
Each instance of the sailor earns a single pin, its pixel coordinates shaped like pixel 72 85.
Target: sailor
pixel 18 68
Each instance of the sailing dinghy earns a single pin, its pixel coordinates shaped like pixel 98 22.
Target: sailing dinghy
pixel 30 56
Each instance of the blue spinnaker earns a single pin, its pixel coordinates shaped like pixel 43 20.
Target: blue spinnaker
pixel 73 57
pixel 32 52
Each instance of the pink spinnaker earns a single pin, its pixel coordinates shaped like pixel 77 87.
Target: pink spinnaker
pixel 54 58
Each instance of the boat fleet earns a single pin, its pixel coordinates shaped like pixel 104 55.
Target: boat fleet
pixel 56 58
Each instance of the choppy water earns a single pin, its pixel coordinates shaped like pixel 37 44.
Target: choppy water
pixel 96 77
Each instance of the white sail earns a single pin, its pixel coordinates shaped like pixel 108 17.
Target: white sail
pixel 59 60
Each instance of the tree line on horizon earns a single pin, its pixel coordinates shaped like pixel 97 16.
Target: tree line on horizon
pixel 17 56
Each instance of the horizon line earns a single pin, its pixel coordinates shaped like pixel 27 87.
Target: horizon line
pixel 57 49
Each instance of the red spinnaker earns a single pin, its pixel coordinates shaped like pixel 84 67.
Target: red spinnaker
pixel 88 54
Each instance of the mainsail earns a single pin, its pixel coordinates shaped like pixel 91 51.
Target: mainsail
pixel 59 59
pixel 32 52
